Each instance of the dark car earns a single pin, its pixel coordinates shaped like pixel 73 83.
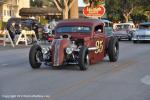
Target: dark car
pixel 24 23
pixel 80 42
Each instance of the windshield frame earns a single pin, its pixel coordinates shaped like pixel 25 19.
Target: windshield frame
pixel 75 26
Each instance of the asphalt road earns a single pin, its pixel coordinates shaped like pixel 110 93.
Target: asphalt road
pixel 127 79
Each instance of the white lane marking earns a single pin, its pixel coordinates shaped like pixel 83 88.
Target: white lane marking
pixel 146 80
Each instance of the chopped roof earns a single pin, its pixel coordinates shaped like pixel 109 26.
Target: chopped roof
pixel 91 21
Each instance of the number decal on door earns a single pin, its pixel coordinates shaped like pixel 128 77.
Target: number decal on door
pixel 99 46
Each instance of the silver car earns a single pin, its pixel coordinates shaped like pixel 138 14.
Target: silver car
pixel 124 30
pixel 142 33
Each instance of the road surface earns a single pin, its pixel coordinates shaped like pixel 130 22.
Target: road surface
pixel 127 79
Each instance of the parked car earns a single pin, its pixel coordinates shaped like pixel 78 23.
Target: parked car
pixel 124 30
pixel 21 23
pixel 109 31
pixel 81 42
pixel 108 27
pixel 107 23
pixel 143 33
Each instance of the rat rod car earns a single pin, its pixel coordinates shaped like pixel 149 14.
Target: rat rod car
pixel 80 41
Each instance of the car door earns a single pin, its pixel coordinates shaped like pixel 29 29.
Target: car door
pixel 98 41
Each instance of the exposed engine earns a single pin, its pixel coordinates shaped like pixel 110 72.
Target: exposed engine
pixel 64 50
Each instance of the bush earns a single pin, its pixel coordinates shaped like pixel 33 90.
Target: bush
pixel 43 21
pixel 2 25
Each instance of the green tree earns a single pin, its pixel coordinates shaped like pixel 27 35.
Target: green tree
pixel 126 8
pixel 36 3
pixel 93 3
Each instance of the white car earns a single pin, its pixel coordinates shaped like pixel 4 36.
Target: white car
pixel 142 33
pixel 123 30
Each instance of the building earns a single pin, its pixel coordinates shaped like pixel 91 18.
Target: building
pixel 10 8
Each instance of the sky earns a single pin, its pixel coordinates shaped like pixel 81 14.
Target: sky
pixel 81 4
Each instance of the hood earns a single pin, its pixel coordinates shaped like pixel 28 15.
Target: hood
pixel 143 31
pixel 120 32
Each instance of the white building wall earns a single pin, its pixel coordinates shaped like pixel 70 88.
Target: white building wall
pixel 11 8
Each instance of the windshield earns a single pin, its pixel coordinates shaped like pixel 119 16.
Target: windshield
pixel 144 26
pixel 74 29
pixel 121 27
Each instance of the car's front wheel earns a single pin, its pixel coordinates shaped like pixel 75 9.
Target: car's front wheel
pixel 35 56
pixel 113 49
pixel 83 58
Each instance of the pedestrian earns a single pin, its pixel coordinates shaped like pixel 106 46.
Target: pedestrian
pixel 11 30
pixel 52 24
pixel 35 28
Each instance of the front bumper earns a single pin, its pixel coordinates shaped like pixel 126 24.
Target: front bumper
pixel 122 36
pixel 141 37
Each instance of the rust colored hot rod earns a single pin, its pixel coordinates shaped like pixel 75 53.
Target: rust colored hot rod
pixel 81 42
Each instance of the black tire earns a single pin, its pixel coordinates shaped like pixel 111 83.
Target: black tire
pixel 130 38
pixel 113 49
pixel 134 41
pixel 34 52
pixel 130 35
pixel 83 58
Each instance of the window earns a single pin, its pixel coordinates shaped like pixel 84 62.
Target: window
pixel 8 12
pixel 99 29
pixel 4 13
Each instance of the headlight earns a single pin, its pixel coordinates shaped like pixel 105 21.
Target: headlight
pixel 45 50
pixel 69 50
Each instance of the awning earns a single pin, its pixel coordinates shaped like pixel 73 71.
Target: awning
pixel 39 11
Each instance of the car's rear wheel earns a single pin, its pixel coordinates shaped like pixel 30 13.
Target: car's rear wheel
pixel 130 35
pixel 113 49
pixel 129 38
pixel 136 41
pixel 35 56
pixel 83 58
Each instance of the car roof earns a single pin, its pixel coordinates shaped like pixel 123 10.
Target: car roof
pixel 145 23
pixel 20 19
pixel 123 24
pixel 107 21
pixel 80 21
